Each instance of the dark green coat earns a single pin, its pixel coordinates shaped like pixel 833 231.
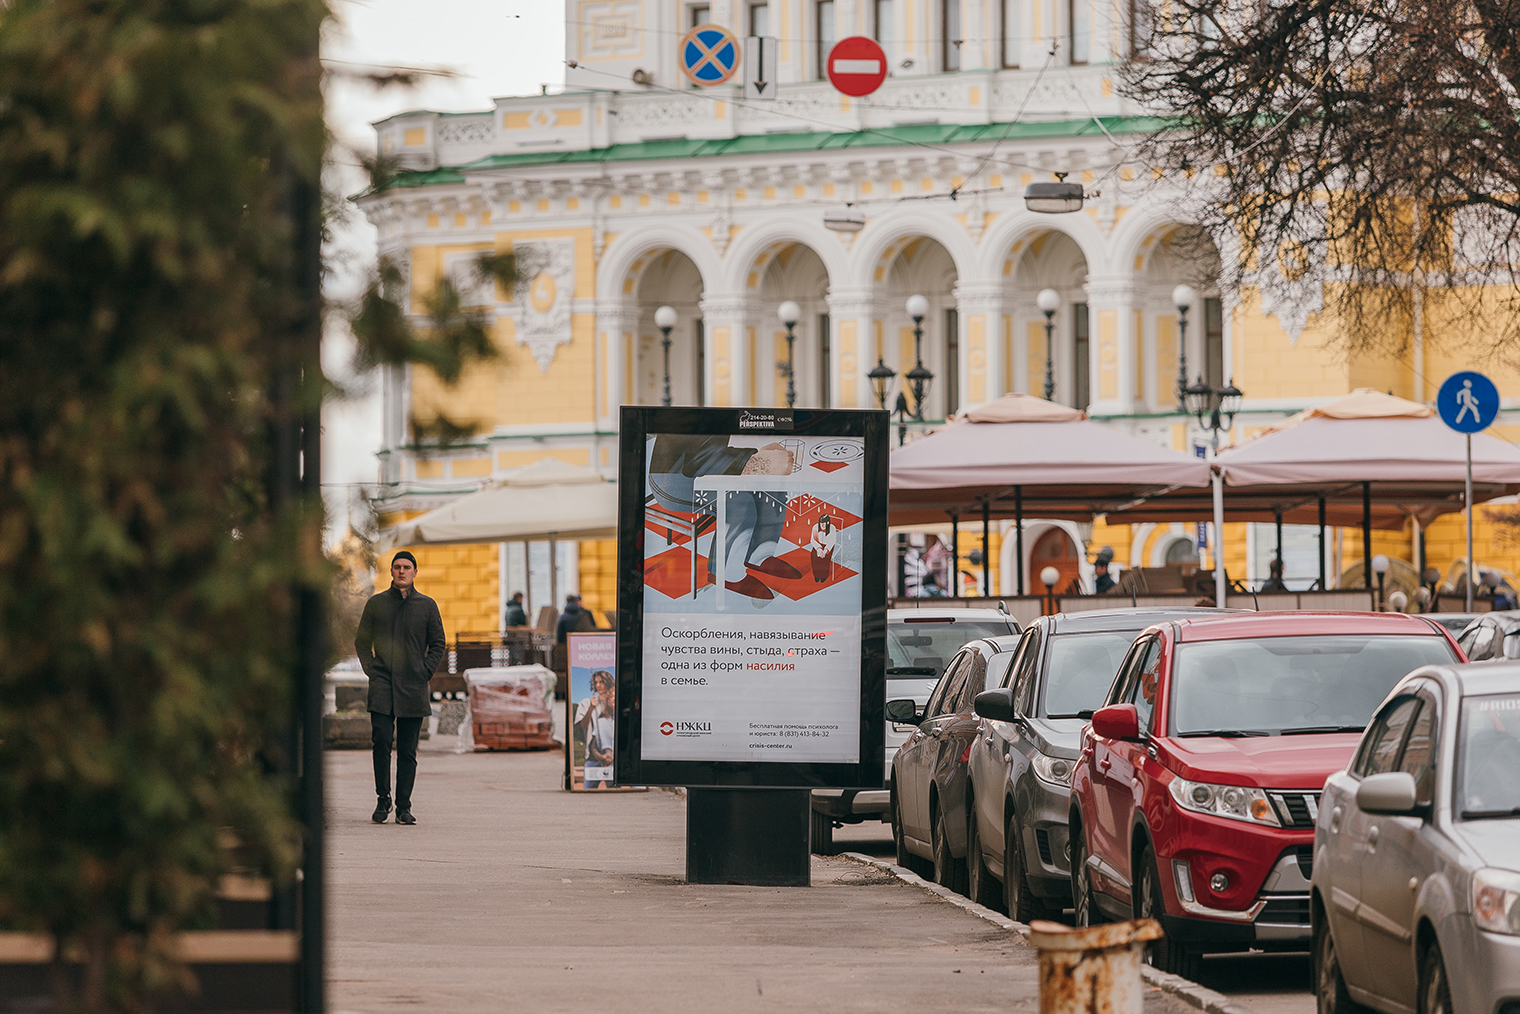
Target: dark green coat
pixel 400 645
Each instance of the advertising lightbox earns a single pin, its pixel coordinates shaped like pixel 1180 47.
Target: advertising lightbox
pixel 751 597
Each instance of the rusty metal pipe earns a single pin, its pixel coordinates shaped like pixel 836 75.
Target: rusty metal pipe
pixel 1092 970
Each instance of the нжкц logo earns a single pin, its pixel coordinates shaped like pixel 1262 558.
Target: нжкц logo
pixel 666 728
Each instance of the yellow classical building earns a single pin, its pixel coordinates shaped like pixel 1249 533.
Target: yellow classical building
pixel 635 188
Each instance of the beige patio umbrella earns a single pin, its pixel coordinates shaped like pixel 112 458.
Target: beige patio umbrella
pixel 1023 455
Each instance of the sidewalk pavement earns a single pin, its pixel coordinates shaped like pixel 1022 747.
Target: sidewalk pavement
pixel 513 895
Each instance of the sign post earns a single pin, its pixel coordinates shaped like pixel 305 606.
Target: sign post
pixel 760 67
pixel 857 66
pixel 751 622
pixel 1468 402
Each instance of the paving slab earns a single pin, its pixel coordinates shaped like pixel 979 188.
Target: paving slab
pixel 511 894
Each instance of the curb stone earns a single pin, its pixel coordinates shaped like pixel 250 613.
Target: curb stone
pixel 1189 992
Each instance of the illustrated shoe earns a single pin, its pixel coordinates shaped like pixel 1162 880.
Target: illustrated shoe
pixel 775 567
pixel 751 586
pixel 405 816
pixel 382 810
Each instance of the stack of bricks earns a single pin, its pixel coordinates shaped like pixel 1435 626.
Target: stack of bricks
pixel 510 716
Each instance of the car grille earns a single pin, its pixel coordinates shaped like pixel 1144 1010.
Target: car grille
pixel 1042 842
pixel 1296 809
pixel 1286 911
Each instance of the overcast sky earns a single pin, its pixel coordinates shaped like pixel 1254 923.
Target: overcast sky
pixel 503 48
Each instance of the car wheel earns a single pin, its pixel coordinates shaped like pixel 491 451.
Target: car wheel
pixel 822 834
pixel 979 883
pixel 1435 992
pixel 1023 906
pixel 1081 883
pixel 948 871
pixel 1330 993
pixel 1166 954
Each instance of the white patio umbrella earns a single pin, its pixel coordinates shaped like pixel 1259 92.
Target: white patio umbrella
pixel 547 499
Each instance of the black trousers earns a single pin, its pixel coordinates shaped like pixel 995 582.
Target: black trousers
pixel 404 733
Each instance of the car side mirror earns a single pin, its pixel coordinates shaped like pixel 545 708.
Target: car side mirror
pixel 904 712
pixel 1391 792
pixel 995 704
pixel 1117 721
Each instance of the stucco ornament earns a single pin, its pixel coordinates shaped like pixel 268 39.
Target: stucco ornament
pixel 545 290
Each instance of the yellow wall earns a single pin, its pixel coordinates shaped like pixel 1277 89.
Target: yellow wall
pixel 599 577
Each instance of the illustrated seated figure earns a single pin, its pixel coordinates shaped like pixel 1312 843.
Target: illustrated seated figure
pixel 755 518
pixel 821 548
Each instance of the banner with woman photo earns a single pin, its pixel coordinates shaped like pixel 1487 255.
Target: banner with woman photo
pixel 591 705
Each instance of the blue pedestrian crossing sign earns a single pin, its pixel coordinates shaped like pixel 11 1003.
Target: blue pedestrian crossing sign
pixel 709 55
pixel 1468 402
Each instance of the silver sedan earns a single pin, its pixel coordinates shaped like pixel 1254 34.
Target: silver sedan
pixel 1416 884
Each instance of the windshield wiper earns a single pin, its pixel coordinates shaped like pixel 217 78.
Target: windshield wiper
pixel 1301 730
pixel 1223 733
pixel 1513 811
pixel 911 670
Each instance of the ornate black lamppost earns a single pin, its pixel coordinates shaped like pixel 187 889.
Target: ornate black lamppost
pixel 1182 298
pixel 789 313
pixel 1049 301
pixel 665 319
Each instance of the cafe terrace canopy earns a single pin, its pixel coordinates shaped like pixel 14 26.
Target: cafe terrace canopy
pixel 1021 455
pixel 547 499
pixel 1369 459
pixel 1370 456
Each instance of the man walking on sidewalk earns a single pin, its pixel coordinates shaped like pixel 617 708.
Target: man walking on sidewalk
pixel 400 644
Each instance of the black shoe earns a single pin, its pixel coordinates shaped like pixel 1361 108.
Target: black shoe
pixel 405 816
pixel 382 810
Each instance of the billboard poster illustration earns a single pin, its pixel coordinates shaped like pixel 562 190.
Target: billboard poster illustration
pixel 591 705
pixel 753 556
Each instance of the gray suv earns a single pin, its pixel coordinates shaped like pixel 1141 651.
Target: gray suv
pixel 1021 758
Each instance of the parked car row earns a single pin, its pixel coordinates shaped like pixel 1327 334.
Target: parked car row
pixel 1252 780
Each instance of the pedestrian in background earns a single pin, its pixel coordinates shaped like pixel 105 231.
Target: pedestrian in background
pixel 515 615
pixel 569 620
pixel 1103 581
pixel 400 645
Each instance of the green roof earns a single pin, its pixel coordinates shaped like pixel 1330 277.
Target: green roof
pixel 803 141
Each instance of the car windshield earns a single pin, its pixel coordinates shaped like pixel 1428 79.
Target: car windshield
pixel 1315 683
pixel 1490 745
pixel 928 644
pixel 1081 669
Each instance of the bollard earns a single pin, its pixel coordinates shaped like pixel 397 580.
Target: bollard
pixel 1094 969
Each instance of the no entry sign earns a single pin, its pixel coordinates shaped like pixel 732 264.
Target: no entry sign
pixel 857 66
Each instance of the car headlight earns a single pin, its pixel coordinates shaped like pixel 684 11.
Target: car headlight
pixel 1236 802
pixel 1055 770
pixel 1496 901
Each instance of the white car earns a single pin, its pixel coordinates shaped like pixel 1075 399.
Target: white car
pixel 920 641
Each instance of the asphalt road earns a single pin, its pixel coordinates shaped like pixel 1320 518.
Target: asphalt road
pixel 1260 983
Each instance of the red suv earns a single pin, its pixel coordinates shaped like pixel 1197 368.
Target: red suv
pixel 1195 794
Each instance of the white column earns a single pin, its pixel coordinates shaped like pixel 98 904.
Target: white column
pixel 617 332
pixel 1021 310
pixel 725 317
pixel 981 316
pixel 853 319
pixel 1111 303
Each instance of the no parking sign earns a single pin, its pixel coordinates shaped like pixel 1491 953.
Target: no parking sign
pixel 709 55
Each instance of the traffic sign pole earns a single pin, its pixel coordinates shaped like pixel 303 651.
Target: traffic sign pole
pixel 1468 402
pixel 1471 570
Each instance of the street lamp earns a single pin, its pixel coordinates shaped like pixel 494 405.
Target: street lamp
pixel 1049 301
pixel 919 377
pixel 1380 568
pixel 1182 298
pixel 1397 601
pixel 665 319
pixel 1053 198
pixel 789 313
pixel 1215 411
pixel 882 376
pixel 1048 577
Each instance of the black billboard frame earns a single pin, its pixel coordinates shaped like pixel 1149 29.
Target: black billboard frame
pixel 637 424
